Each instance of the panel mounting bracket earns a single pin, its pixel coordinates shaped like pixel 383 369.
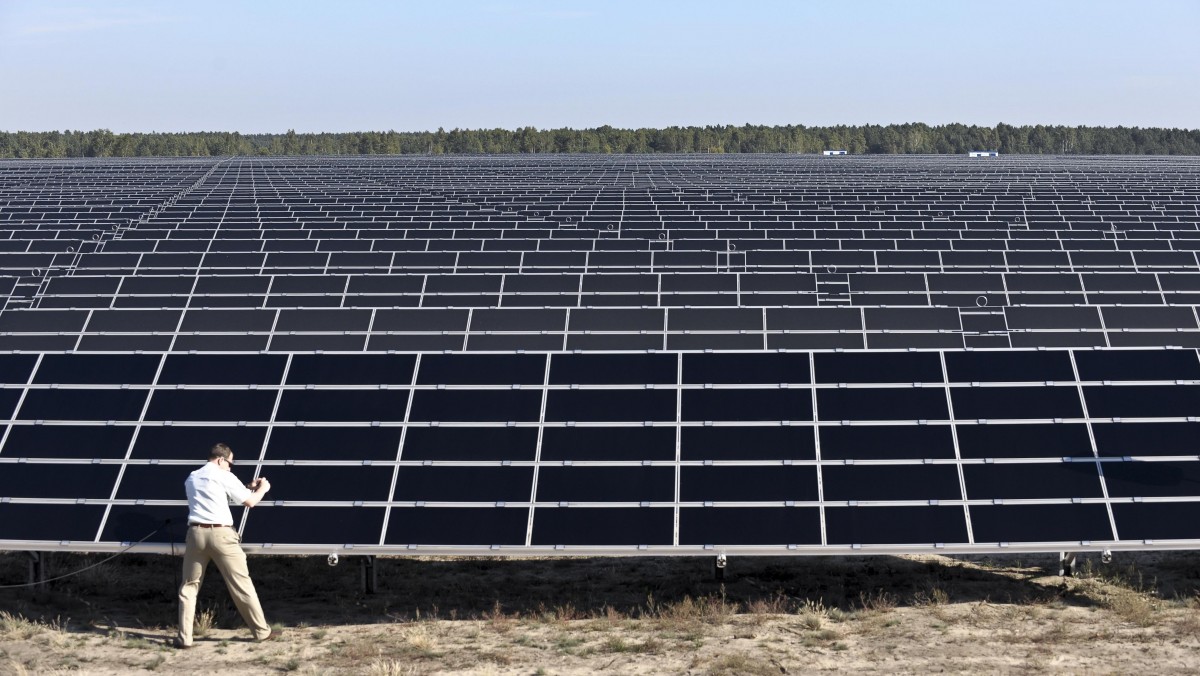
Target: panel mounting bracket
pixel 719 565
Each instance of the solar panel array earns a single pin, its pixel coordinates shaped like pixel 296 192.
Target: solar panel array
pixel 666 355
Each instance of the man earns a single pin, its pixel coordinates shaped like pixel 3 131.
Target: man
pixel 211 537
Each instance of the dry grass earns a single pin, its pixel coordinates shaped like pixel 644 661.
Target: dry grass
pixel 206 620
pixel 478 616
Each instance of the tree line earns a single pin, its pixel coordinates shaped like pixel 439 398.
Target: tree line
pixel 868 139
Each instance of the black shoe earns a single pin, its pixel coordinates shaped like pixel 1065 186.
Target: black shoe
pixel 273 637
pixel 176 643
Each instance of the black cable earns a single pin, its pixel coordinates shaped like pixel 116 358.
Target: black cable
pixel 87 568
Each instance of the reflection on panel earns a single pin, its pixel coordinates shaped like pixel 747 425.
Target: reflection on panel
pixel 1144 401
pixel 723 483
pixel 895 525
pixel 747 405
pixel 67 441
pixel 1032 481
pixel 741 369
pixel 1016 403
pixel 351 369
pixel 482 369
pixel 1152 479
pixel 223 369
pixel 16 368
pixel 1040 523
pixel 476 406
pixel 878 367
pixel 343 405
pixel 470 443
pixel 780 442
pixel 612 369
pixel 886 442
pixel 608 443
pixel 1138 439
pixel 333 443
pixel 1015 366
pixel 891 482
pixel 92 369
pixel 603 526
pixel 166 482
pixel 1024 441
pixel 29 480
pixel 1167 365
pixel 1154 520
pixel 606 484
pixel 610 405
pixel 457 526
pixel 332 483
pixel 123 405
pixel 917 403
pixel 132 523
pixel 314 525
pixel 464 484
pixel 211 405
pixel 180 442
pixel 749 526
pixel 49 522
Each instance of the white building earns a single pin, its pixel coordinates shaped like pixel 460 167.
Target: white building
pixel 834 152
pixel 983 153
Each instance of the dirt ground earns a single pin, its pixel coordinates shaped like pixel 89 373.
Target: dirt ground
pixel 1139 614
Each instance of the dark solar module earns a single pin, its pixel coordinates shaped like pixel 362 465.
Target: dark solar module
pixel 605 354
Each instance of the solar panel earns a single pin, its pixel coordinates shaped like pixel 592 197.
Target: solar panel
pixel 553 355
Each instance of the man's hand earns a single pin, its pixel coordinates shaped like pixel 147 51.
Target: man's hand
pixel 260 486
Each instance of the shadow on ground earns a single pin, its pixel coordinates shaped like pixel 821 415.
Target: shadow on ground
pixel 139 590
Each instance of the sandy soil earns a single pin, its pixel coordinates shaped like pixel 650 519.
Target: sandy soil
pixel 1139 614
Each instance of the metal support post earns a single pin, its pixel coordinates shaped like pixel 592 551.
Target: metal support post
pixel 366 568
pixel 1066 564
pixel 37 567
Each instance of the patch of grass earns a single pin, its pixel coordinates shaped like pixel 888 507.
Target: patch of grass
pixel 616 644
pixel 206 620
pixel 16 627
pixel 567 643
pixel 826 635
pixel 292 664
pixel 1134 608
pixel 706 609
pixel 156 662
pixel 879 601
pixel 776 604
pixel 933 596
pixel 740 664
pixel 383 667
pixel 813 614
pixel 320 634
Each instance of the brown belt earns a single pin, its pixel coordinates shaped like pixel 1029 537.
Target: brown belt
pixel 209 525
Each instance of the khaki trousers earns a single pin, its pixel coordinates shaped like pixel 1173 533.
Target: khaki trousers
pixel 223 547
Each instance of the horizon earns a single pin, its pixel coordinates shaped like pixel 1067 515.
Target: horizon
pixel 569 128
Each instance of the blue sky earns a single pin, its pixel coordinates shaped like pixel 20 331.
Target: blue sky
pixel 354 65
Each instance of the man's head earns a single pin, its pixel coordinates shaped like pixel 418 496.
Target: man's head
pixel 221 454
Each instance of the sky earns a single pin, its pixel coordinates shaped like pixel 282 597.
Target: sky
pixel 352 65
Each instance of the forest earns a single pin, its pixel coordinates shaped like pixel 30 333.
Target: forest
pixel 911 138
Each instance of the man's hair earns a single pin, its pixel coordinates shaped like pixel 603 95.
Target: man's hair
pixel 220 451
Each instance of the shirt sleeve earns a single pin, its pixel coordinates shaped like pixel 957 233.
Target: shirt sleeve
pixel 235 490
